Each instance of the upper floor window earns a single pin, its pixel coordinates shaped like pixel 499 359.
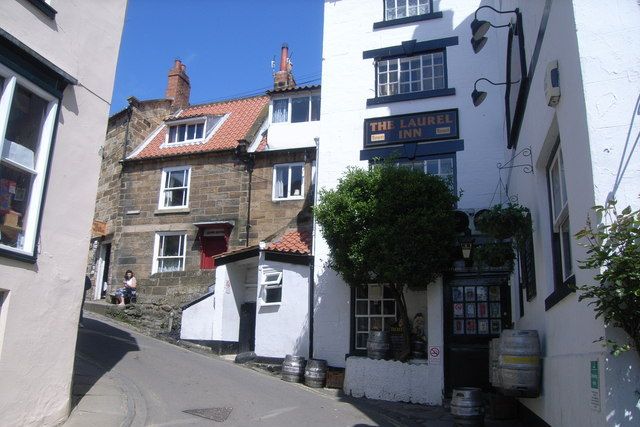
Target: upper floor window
pixel 169 252
pixel 296 110
pixel 271 287
pixel 27 121
pixel 560 215
pixel 396 9
pixel 186 132
pixel 192 130
pixel 438 167
pixel 174 190
pixel 288 181
pixel 411 74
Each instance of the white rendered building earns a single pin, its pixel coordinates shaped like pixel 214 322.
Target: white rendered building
pixel 389 62
pixel 57 68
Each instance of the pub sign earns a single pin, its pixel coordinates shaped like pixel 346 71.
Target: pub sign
pixel 418 127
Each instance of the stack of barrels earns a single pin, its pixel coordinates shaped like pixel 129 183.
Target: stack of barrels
pixel 514 363
pixel 296 369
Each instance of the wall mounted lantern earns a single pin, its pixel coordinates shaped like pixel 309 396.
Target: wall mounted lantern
pixel 480 27
pixel 478 96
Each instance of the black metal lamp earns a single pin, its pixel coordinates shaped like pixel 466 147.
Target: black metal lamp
pixel 480 27
pixel 478 96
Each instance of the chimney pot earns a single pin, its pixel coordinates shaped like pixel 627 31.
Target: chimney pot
pixel 178 86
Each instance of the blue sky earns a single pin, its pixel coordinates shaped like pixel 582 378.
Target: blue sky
pixel 227 46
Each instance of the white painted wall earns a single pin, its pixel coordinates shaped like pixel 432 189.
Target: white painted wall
pixel 197 320
pixel 42 309
pixel 283 328
pixel 348 80
pixel 597 49
pixel 292 135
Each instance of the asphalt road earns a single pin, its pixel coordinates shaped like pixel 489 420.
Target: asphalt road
pixel 164 380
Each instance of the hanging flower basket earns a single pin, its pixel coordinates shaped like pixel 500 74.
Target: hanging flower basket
pixel 503 222
pixel 498 254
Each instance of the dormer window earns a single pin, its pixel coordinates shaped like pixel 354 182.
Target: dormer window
pixel 186 132
pixel 296 109
pixel 192 130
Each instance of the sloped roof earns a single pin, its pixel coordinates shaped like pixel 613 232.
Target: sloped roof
pixel 297 242
pixel 241 118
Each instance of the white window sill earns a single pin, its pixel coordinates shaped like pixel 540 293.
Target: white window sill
pixel 270 304
pixel 285 199
pixel 166 211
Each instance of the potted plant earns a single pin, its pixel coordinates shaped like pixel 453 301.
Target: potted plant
pixel 494 254
pixel 502 222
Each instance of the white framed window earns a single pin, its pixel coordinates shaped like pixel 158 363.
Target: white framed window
pixel 271 287
pixel 169 252
pixel 174 188
pixel 419 73
pixel 396 9
pixel 186 132
pixel 560 214
pixel 296 109
pixel 288 181
pixel 27 122
pixel 375 310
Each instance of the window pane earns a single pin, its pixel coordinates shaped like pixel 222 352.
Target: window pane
pixel 23 129
pixel 389 307
pixel 281 183
pixel 361 341
pixel 280 110
pixel 175 198
pixel 375 307
pixel 563 196
pixel 362 324
pixel 375 324
pixel 362 308
pixel 362 291
pixel 432 167
pixel 296 181
pixel 315 107
pixel 191 131
pixel 172 246
pixel 199 130
pixel 299 110
pixel 555 190
pixel 15 190
pixel 446 166
pixel 176 179
pixel 273 294
pixel 172 134
pixel 170 264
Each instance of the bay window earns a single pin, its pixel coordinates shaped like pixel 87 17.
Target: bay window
pixel 27 122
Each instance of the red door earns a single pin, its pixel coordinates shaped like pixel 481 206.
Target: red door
pixel 211 246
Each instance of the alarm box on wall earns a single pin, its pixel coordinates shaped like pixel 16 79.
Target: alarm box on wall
pixel 552 84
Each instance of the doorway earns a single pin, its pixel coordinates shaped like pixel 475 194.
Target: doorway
pixel 476 309
pixel 102 271
pixel 247 333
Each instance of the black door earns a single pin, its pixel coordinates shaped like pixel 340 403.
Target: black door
pixel 105 272
pixel 247 334
pixel 476 309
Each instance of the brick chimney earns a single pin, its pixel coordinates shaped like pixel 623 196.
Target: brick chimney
pixel 178 86
pixel 283 78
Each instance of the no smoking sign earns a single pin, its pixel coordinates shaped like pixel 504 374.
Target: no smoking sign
pixel 435 355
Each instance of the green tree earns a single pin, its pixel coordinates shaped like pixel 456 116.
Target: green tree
pixel 614 249
pixel 389 225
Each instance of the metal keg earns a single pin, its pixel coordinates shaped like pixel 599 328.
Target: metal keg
pixel 315 373
pixel 467 407
pixel 293 368
pixel 519 363
pixel 378 345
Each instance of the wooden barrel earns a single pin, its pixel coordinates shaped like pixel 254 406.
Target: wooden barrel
pixel 378 345
pixel 467 407
pixel 293 368
pixel 315 373
pixel 519 363
pixel 494 370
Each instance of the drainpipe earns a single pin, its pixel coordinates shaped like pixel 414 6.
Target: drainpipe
pixel 312 286
pixel 248 160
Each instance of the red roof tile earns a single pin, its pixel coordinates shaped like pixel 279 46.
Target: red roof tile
pixel 295 241
pixel 242 115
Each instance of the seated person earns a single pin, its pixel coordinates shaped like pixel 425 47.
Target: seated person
pixel 129 289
